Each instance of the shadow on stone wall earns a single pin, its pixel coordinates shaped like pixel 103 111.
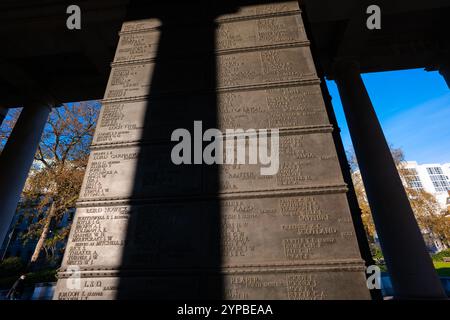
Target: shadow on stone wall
pixel 173 241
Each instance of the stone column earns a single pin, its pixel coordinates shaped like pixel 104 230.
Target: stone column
pixel 407 259
pixel 220 231
pixel 16 160
pixel 3 112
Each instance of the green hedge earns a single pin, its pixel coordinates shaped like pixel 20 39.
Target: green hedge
pixel 32 278
pixel 48 275
pixel 12 268
pixel 439 257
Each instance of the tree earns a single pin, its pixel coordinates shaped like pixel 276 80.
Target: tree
pixel 57 173
pixel 366 214
pixel 430 217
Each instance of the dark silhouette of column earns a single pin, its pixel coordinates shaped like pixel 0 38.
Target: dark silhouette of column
pixel 3 112
pixel 405 252
pixel 444 70
pixel 17 158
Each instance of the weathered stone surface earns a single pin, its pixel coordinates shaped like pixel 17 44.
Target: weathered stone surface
pixel 244 34
pixel 136 26
pixel 288 107
pixel 308 160
pixel 263 9
pixel 305 161
pixel 313 285
pixel 253 68
pixel 137 46
pixel 262 32
pixel 129 171
pixel 326 284
pixel 147 228
pixel 120 122
pixel 243 12
pixel 255 231
pixel 234 70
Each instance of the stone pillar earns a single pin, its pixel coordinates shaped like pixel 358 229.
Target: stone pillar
pixel 3 112
pixel 165 231
pixel 407 259
pixel 16 160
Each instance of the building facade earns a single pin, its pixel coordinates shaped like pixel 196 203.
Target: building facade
pixel 431 177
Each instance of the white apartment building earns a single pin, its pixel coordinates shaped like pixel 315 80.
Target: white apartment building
pixel 432 178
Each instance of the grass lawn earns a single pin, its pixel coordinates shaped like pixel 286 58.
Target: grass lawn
pixel 442 268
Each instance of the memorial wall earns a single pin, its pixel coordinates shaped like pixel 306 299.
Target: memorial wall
pixel 147 228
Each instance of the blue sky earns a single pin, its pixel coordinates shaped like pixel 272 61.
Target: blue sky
pixel 413 107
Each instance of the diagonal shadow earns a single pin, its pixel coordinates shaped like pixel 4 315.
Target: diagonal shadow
pixel 173 241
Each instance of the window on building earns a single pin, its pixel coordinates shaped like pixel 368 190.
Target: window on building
pixel 413 180
pixel 417 185
pixel 435 170
pixel 440 181
pixel 441 186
